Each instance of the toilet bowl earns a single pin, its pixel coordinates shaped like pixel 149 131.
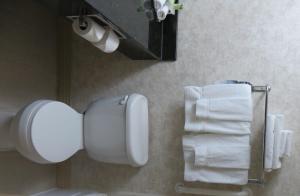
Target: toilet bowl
pixel 113 130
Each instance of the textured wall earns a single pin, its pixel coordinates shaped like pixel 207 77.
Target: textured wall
pixel 28 72
pixel 252 40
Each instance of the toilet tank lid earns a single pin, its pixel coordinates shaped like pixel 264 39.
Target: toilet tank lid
pixel 137 130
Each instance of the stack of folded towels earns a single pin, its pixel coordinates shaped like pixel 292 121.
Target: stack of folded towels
pixel 218 118
pixel 278 142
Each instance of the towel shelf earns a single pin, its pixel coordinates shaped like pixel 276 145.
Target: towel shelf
pixel 260 180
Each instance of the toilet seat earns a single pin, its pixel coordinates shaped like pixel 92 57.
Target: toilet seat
pixel 48 131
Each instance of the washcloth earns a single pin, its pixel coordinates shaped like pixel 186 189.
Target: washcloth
pixel 279 121
pixel 232 108
pixel 286 143
pixel 278 142
pixel 193 124
pixel 194 172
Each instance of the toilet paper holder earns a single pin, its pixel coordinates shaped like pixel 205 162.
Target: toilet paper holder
pixel 99 19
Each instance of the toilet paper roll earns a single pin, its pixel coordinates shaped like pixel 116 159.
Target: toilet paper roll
pixel 162 13
pixel 109 43
pixel 158 4
pixel 92 32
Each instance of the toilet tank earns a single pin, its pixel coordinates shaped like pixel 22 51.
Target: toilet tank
pixel 105 130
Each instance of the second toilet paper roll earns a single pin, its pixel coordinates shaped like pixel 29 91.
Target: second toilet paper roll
pixel 162 13
pixel 109 43
pixel 92 32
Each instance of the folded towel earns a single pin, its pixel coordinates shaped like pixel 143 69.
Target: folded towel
pixel 278 142
pixel 279 121
pixel 283 140
pixel 192 94
pixel 221 90
pixel 232 108
pixel 229 156
pixel 219 127
pixel 212 175
pixel 286 143
pixel 194 172
pixel 192 140
pixel 269 145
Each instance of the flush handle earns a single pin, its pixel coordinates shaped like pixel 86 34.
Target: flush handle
pixel 123 100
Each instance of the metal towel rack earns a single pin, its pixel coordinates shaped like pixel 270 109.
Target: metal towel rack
pixel 260 180
pixel 262 89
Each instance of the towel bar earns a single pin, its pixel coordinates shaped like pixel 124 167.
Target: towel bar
pixel 180 188
pixel 262 89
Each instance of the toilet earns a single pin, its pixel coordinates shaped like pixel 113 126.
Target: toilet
pixel 113 130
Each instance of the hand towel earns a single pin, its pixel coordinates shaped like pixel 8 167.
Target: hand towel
pixel 210 174
pixel 222 156
pixel 231 108
pixel 269 145
pixel 192 94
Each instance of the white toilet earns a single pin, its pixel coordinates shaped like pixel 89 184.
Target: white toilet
pixel 111 130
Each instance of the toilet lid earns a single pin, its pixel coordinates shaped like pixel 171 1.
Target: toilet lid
pixel 137 130
pixel 56 131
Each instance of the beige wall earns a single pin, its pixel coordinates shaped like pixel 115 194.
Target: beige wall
pixel 252 40
pixel 27 73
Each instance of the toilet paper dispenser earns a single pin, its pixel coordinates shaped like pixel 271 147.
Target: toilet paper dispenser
pixel 98 32
pixel 98 19
pixel 139 37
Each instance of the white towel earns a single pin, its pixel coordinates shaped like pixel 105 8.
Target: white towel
pixel 213 175
pixel 222 156
pixel 278 142
pixel 286 143
pixel 231 108
pixel 214 139
pixel 192 94
pixel 269 145
pixel 209 174
pixel 283 140
pixel 279 121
